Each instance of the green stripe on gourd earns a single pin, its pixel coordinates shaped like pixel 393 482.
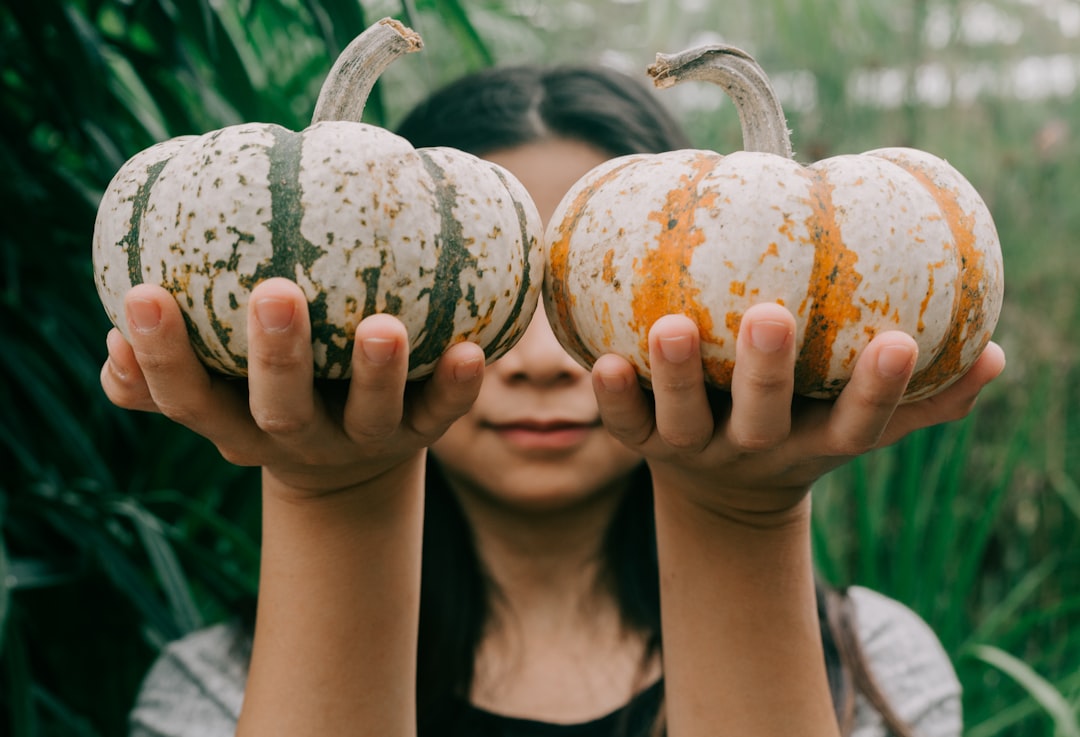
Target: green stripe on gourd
pixel 513 328
pixel 131 239
pixel 453 258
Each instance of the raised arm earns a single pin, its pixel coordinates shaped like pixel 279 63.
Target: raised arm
pixel 335 639
pixel 742 649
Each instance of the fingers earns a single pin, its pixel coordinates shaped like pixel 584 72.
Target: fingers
pixel 954 403
pixel 179 385
pixel 761 416
pixel 679 416
pixel 763 378
pixel 683 415
pixel 280 368
pixel 122 378
pixel 380 364
pixel 865 407
pixel 380 400
pixel 624 408
pixel 449 392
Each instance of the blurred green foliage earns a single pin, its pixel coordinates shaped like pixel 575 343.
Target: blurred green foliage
pixel 119 531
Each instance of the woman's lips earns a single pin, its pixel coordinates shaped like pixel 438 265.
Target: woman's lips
pixel 531 435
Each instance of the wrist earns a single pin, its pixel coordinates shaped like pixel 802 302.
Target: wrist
pixel 325 484
pixel 751 505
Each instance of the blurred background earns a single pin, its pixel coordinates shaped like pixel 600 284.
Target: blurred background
pixel 120 532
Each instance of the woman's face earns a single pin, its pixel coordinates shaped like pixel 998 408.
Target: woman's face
pixel 533 439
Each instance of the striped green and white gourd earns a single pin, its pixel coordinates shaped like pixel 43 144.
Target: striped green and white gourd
pixel 362 221
pixel 894 239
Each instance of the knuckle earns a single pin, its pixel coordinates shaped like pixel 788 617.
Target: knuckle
pixel 875 398
pixel 237 457
pixel 767 382
pixel 123 399
pixel 632 437
pixel 154 362
pixel 757 441
pixel 432 426
pixel 277 361
pixel 677 384
pixel 877 403
pixel 849 447
pixel 371 431
pixel 181 414
pixel 281 425
pixel 122 392
pixel 685 442
pixel 956 409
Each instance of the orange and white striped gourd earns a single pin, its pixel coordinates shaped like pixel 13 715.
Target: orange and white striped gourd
pixel 450 244
pixel 893 239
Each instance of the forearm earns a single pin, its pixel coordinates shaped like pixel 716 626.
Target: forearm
pixel 742 647
pixel 335 636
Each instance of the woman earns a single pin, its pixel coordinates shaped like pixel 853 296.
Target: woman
pixel 556 509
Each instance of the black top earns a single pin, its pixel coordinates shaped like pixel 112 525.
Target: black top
pixel 633 720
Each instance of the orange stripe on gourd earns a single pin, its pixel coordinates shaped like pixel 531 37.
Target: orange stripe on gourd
pixel 560 298
pixel 662 282
pixel 833 280
pixel 969 317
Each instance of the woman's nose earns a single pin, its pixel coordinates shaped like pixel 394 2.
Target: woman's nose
pixel 538 357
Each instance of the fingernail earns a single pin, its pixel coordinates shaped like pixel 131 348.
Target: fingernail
pixel 676 349
pixel 468 370
pixel 378 350
pixel 894 360
pixel 274 315
pixel 144 315
pixel 614 383
pixel 769 336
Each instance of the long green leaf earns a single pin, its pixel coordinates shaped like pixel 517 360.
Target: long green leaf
pixel 977 539
pixel 1068 491
pixel 20 686
pixel 223 529
pixel 909 487
pixel 129 90
pixel 945 517
pixel 1057 707
pixel 1005 611
pixel 117 564
pixel 5 585
pixel 1002 720
pixel 169 572
pixel 61 419
pixel 74 724
pixel 453 13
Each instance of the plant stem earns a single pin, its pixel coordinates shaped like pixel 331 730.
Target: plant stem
pixel 347 86
pixel 764 127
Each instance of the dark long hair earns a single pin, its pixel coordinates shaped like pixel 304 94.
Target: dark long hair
pixel 494 109
pixel 500 108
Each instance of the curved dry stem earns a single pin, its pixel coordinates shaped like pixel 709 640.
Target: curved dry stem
pixel 764 126
pixel 346 89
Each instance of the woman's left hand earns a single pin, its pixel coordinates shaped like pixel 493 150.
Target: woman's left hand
pixel 759 448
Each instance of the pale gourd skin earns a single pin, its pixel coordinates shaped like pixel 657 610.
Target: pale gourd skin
pixel 448 243
pixel 852 246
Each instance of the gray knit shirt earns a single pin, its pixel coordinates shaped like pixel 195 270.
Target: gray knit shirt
pixel 196 687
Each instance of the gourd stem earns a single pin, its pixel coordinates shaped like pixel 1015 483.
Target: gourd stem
pixel 764 127
pixel 346 89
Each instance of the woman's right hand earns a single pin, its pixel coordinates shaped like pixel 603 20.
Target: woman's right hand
pixel 311 442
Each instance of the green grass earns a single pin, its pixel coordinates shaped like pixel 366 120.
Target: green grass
pixel 946 522
pixel 119 532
